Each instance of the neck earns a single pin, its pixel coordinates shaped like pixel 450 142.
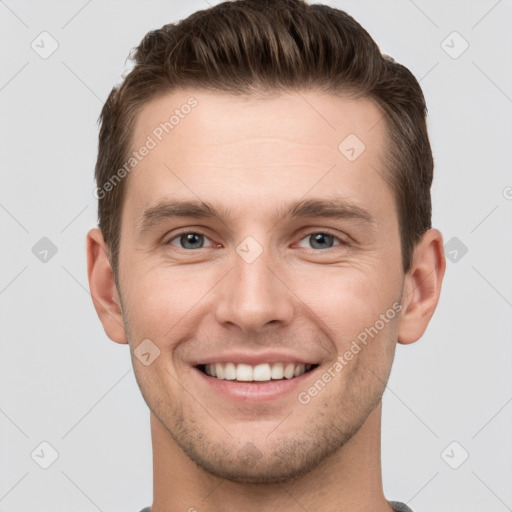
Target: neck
pixel 348 481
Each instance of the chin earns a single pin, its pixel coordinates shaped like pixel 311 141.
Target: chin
pixel 282 461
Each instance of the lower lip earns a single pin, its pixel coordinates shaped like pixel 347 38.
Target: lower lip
pixel 254 391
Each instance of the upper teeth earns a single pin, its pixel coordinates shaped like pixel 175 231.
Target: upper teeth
pixel 260 372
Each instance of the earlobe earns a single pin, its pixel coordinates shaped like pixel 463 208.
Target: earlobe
pixel 102 286
pixel 422 287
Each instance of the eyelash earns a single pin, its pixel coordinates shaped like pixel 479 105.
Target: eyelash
pixel 341 241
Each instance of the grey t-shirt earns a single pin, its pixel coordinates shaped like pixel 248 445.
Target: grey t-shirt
pixel 397 505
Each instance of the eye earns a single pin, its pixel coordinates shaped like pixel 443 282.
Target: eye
pixel 189 240
pixel 193 240
pixel 321 240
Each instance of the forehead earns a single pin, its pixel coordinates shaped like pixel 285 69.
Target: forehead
pixel 268 146
pixel 215 117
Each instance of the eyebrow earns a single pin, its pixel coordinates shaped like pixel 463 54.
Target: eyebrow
pixel 311 208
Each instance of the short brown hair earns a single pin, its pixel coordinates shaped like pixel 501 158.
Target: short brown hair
pixel 262 46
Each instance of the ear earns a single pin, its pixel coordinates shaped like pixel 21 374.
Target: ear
pixel 103 288
pixel 422 287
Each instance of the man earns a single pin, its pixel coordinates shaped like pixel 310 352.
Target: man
pixel 264 242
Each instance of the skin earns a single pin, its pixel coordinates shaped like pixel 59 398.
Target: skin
pixel 252 155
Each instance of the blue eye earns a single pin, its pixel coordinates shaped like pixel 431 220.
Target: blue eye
pixel 321 240
pixel 189 240
pixel 192 240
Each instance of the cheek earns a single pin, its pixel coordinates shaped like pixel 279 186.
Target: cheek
pixel 162 301
pixel 350 298
pixel 350 310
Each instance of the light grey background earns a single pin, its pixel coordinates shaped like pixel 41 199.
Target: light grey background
pixel 64 382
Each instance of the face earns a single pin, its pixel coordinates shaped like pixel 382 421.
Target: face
pixel 274 286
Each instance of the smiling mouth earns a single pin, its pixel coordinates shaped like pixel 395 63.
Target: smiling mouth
pixel 264 372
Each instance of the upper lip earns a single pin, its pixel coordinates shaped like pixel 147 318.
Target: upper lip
pixel 253 358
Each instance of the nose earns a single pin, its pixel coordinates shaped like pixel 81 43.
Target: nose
pixel 254 295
